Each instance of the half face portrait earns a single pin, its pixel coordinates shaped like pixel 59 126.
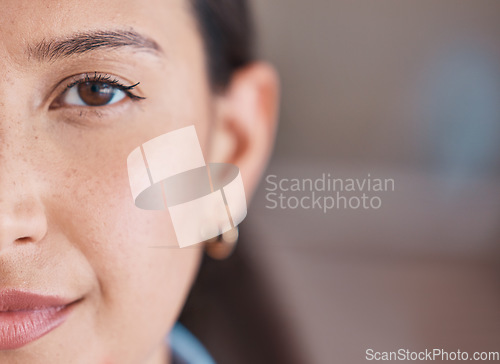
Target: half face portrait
pixel 85 275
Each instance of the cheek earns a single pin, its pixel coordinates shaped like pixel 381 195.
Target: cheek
pixel 123 242
pixel 141 276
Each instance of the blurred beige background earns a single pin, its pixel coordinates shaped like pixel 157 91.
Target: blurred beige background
pixel 407 90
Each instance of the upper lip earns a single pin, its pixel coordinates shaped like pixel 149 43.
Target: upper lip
pixel 17 300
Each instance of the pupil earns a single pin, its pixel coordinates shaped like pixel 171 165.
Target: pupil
pixel 94 88
pixel 95 93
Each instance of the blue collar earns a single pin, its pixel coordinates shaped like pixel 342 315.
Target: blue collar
pixel 186 348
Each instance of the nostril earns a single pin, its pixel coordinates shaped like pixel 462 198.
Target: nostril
pixel 24 239
pixel 22 221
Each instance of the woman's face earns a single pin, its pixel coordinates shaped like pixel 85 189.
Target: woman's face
pixel 68 224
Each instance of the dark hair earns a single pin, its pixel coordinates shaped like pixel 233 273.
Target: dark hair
pixel 235 312
pixel 230 308
pixel 227 31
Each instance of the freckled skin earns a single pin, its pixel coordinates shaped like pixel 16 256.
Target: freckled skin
pixel 64 180
pixel 68 225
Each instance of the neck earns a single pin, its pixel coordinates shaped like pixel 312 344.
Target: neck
pixel 161 355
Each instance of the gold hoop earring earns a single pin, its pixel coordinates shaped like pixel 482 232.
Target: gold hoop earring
pixel 222 246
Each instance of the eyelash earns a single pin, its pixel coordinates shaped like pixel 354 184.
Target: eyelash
pixel 109 80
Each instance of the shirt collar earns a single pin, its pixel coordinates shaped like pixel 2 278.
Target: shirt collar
pixel 186 348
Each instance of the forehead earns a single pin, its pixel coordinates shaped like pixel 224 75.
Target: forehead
pixel 27 22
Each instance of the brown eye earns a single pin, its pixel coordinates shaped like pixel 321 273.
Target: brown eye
pixel 92 93
pixel 95 93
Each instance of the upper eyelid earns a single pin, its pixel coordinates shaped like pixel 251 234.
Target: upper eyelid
pixel 101 78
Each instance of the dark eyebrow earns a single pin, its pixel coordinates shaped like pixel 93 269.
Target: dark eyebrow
pixel 79 43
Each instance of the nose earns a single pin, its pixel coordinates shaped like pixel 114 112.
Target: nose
pixel 22 220
pixel 22 213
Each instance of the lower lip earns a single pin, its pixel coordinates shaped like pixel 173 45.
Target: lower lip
pixel 18 328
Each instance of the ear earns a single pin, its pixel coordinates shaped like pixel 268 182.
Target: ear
pixel 246 121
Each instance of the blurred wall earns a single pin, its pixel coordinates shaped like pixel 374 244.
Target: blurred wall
pixel 358 76
pixel 407 90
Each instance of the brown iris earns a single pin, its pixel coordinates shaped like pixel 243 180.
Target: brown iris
pixel 96 93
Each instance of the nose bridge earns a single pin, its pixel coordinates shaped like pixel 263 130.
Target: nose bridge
pixel 22 216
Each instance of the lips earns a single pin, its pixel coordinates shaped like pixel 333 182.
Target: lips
pixel 26 317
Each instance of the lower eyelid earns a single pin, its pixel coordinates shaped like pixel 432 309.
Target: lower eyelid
pixel 84 116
